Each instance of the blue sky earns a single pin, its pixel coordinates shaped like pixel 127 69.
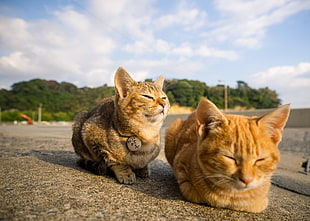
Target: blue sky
pixel 262 42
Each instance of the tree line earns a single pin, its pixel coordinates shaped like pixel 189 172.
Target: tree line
pixel 189 92
pixel 62 101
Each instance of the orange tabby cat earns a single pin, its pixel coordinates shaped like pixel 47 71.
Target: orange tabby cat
pixel 122 132
pixel 226 160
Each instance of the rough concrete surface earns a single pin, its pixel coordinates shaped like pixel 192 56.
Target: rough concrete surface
pixel 39 180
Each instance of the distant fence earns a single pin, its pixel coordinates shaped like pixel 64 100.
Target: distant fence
pixel 298 117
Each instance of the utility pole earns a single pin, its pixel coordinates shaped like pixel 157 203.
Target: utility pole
pixel 225 95
pixel 40 113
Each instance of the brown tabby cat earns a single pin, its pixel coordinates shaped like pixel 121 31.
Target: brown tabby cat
pixel 225 160
pixel 122 132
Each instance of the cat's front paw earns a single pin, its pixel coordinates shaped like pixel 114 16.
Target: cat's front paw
pixel 124 174
pixel 143 172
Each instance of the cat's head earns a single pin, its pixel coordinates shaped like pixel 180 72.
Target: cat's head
pixel 142 101
pixel 238 152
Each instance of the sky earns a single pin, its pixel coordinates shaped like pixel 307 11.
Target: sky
pixel 265 43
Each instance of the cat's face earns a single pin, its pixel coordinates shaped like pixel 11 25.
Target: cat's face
pixel 145 102
pixel 239 155
pixel 238 152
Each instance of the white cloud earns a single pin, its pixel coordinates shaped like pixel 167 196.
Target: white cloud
pixel 291 82
pixel 184 50
pixel 248 9
pixel 18 62
pixel 73 20
pixel 244 23
pixel 68 45
pixel 122 18
pixel 170 68
pixel 16 26
pixel 188 18
pixel 212 52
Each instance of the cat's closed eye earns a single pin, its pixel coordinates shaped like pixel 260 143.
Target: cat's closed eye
pixel 148 96
pixel 260 160
pixel 231 159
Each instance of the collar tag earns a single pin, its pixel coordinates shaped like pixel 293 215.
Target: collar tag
pixel 133 143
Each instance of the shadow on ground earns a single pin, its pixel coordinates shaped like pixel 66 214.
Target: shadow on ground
pixel 161 184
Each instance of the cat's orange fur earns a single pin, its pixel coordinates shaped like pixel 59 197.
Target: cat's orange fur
pixel 225 160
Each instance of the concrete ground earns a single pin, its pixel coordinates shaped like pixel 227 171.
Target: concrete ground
pixel 39 180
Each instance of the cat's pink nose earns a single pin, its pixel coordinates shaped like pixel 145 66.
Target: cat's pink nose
pixel 162 103
pixel 246 180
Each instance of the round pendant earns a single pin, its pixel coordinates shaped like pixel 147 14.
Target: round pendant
pixel 133 143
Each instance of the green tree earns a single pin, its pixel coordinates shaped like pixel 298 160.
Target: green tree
pixel 62 101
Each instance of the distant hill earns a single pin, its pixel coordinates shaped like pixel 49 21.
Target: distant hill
pixel 61 101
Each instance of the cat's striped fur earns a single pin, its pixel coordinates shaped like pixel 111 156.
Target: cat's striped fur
pixel 100 135
pixel 225 160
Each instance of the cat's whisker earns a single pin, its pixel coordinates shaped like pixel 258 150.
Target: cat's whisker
pixel 223 179
pixel 220 182
pixel 215 176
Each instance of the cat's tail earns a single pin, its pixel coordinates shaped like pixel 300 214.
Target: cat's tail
pixel 171 140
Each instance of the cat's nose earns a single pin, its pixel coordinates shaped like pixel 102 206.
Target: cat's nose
pixel 162 103
pixel 246 180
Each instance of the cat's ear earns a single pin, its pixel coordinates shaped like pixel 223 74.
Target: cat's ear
pixel 208 117
pixel 160 81
pixel 275 121
pixel 122 82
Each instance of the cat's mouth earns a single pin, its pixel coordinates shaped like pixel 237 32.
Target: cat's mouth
pixel 156 115
pixel 243 187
